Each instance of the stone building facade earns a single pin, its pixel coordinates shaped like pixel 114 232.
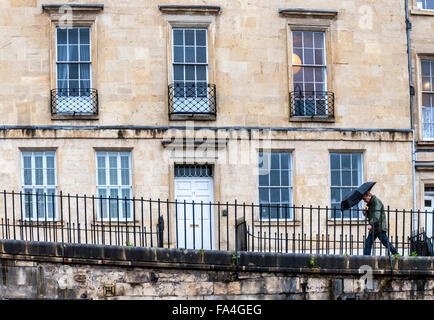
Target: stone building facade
pixel 115 98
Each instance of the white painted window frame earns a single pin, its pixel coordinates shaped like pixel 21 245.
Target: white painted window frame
pixel 119 187
pixel 291 188
pixel 34 187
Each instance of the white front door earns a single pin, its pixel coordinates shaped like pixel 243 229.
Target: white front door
pixel 428 220
pixel 195 223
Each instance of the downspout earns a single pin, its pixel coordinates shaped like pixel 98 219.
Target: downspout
pixel 412 92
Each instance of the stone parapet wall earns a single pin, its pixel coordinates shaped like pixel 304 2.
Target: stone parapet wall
pixel 49 271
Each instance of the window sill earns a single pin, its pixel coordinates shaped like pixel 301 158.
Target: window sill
pixel 422 12
pixel 311 119
pixel 346 222
pixel 423 143
pixel 196 117
pixel 273 223
pixel 75 117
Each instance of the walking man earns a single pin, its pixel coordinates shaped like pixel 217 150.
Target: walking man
pixel 377 224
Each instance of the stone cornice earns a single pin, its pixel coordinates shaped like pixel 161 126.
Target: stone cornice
pixel 307 13
pixel 189 9
pixel 79 8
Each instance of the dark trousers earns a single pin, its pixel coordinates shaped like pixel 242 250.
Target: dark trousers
pixel 384 240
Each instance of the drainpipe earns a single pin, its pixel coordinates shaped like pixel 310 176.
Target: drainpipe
pixel 412 92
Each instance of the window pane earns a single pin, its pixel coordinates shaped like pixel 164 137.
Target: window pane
pixel 102 203
pixel 275 195
pixel 50 177
pixel 319 74
pixel 62 53
pixel 201 54
pixel 126 204
pixel 113 205
pixel 73 53
pixel 178 54
pixel 264 178
pixel 346 178
pixel 298 74
pixel 264 160
pixel 355 178
pixel 346 161
pixel 27 161
pixel 319 54
pixel 275 161
pixel 284 161
pixel 308 56
pixel 39 177
pixel 426 84
pixel 336 178
pixel 336 195
pixel 355 161
pixel 73 36
pixel 275 178
pixel 200 37
pixel 264 195
pixel 84 53
pixel 50 162
pixel 85 71
pixel 27 177
pixel 125 177
pixel 73 71
pixel 178 37
pixel 189 37
pixel 51 203
pixel 201 73
pixel 61 36
pixel 28 203
pixel 284 178
pixel 297 39
pixel 113 177
pixel 284 195
pixel 125 162
pixel 101 177
pixel 190 73
pixel 190 55
pixel 84 36
pixel 308 74
pixel 307 39
pixel 425 68
pixel 178 72
pixel 319 39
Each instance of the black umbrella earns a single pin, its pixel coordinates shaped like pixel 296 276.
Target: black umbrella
pixel 356 195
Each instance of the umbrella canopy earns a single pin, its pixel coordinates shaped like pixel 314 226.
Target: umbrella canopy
pixel 356 195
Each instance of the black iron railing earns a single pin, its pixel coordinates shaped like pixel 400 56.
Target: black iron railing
pixel 217 226
pixel 192 99
pixel 314 104
pixel 74 101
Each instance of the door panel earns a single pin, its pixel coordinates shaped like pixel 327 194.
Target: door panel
pixel 428 220
pixel 194 223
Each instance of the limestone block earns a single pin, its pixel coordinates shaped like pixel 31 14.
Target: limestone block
pixel 252 287
pixel 220 288
pixel 349 285
pixel 317 285
pixel 201 288
pixel 318 296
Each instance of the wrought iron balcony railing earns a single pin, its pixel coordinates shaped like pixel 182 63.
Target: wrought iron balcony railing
pixel 192 99
pixel 74 101
pixel 314 104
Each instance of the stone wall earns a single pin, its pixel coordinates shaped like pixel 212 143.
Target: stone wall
pixel 249 64
pixel 40 271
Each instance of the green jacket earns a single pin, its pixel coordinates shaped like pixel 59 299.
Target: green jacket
pixel 376 215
